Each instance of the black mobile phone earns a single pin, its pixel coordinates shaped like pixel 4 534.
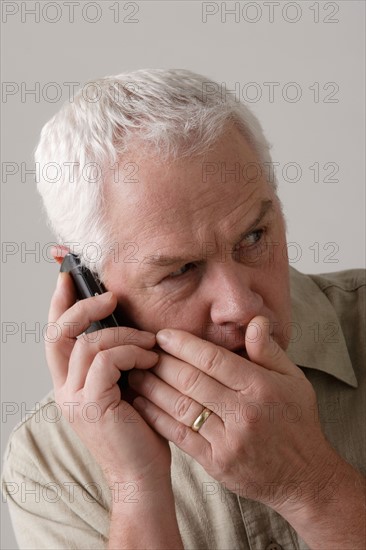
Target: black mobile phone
pixel 87 284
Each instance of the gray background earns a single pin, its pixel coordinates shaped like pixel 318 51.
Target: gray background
pixel 317 46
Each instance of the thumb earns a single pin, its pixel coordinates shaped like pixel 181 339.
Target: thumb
pixel 264 350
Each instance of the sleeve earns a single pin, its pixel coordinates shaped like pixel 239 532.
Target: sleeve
pixel 45 513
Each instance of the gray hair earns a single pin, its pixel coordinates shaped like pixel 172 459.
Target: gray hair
pixel 176 112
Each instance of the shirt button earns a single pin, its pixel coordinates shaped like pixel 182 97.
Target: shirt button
pixel 273 546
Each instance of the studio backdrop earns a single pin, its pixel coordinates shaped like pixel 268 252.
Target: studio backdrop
pixel 300 66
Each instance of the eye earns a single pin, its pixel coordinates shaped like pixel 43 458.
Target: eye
pixel 251 239
pixel 254 236
pixel 251 248
pixel 182 270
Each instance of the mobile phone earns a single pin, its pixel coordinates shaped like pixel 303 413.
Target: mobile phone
pixel 87 285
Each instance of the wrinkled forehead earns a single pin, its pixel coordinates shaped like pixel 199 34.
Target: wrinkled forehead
pixel 148 196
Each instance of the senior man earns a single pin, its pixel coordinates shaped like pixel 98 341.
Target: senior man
pixel 247 429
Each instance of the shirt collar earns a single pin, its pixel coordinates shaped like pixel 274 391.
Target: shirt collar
pixel 317 341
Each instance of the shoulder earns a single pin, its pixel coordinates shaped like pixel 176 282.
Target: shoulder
pixel 44 447
pixel 342 294
pixel 55 490
pixel 346 292
pixel 340 287
pixel 348 280
pixel 27 435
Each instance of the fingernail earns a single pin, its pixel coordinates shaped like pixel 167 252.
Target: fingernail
pixel 163 337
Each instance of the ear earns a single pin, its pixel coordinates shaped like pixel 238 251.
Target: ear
pixel 59 252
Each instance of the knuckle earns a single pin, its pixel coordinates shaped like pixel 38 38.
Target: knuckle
pixel 82 342
pixel 180 433
pixel 211 358
pixel 188 379
pixel 102 359
pixel 52 333
pixel 223 465
pixel 253 387
pixel 130 336
pixel 132 349
pixel 150 385
pixel 181 346
pixel 123 335
pixel 94 337
pixel 182 406
pixel 78 308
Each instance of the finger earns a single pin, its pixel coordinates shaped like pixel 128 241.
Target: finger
pixel 185 438
pixel 105 369
pixel 63 297
pixel 67 319
pixel 180 407
pixel 58 346
pixel 264 350
pixel 74 320
pixel 85 350
pixel 77 318
pixel 190 381
pixel 217 362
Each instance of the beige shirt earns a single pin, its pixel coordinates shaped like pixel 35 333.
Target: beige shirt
pixel 58 497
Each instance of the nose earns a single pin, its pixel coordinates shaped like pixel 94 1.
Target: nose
pixel 233 301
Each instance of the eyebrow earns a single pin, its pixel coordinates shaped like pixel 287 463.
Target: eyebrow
pixel 159 260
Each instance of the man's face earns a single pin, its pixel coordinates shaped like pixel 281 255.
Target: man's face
pixel 199 248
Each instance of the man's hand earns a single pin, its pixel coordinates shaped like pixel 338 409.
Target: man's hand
pixel 85 369
pixel 263 439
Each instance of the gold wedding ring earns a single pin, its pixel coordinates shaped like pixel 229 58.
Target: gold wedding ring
pixel 200 420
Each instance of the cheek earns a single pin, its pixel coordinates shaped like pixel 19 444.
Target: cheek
pixel 153 313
